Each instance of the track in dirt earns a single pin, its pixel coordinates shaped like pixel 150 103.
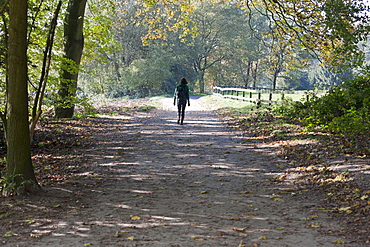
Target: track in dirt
pixel 150 182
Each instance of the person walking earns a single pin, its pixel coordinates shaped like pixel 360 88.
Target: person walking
pixel 182 96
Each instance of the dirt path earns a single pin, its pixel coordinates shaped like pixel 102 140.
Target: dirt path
pixel 150 182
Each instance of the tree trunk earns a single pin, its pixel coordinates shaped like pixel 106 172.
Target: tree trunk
pixel 274 79
pixel 19 163
pixel 73 47
pixel 201 81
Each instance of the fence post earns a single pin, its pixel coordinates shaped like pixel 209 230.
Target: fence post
pixel 270 98
pixel 259 95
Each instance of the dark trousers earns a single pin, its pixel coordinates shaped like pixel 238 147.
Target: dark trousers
pixel 181 105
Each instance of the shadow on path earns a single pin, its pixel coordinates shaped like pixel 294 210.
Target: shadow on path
pixel 151 182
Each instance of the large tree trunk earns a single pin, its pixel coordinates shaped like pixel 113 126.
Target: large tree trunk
pixel 73 47
pixel 19 163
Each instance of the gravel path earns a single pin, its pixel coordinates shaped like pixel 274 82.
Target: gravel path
pixel 151 182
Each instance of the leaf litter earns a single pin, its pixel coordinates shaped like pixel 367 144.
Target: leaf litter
pixel 289 175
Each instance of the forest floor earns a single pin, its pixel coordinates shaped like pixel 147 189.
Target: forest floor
pixel 133 177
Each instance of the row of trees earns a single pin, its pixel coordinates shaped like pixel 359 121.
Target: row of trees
pixel 150 45
pixel 235 44
pixel 40 58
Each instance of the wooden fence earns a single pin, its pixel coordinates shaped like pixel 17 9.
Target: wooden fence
pixel 259 96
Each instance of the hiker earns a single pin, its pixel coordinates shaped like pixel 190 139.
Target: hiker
pixel 182 95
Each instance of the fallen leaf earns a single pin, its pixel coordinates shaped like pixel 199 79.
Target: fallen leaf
pixel 134 217
pixel 29 221
pixel 198 239
pixel 243 235
pixel 345 209
pixel 9 234
pixel 131 238
pixel 203 192
pixel 247 192
pixel 276 199
pixel 234 218
pixel 315 226
pixel 263 237
pixel 338 241
pixel 238 229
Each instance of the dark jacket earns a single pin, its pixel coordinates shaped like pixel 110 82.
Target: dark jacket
pixel 187 94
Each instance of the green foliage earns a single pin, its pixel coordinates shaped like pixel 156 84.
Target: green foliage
pixel 146 108
pixel 345 109
pixel 10 185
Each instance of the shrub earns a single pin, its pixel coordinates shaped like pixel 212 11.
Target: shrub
pixel 344 109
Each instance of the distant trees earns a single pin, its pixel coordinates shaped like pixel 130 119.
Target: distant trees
pixel 254 44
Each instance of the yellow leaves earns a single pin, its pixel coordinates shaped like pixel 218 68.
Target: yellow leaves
pixel 131 238
pixel 198 239
pixel 338 241
pixel 134 217
pixel 277 199
pixel 263 237
pixel 203 192
pixel 346 209
pixel 340 177
pixel 314 225
pixel 9 234
pixel 234 218
pixel 87 244
pixel 364 197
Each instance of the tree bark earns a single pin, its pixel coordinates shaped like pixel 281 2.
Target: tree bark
pixel 19 163
pixel 73 47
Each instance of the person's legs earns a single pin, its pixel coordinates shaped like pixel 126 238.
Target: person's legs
pixel 183 106
pixel 179 111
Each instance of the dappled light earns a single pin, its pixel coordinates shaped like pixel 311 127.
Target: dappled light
pixel 142 179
